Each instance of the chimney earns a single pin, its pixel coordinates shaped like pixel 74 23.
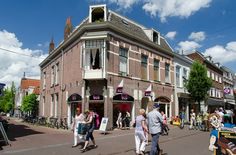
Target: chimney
pixel 51 46
pixel 23 76
pixel 68 28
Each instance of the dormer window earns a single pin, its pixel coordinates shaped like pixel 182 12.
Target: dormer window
pixel 98 13
pixel 156 38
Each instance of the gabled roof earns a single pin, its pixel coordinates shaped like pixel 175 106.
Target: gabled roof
pixel 27 83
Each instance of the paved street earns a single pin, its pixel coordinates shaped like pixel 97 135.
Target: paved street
pixel 27 140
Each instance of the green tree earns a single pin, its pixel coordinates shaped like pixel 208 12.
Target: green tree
pixel 198 83
pixel 6 101
pixel 30 104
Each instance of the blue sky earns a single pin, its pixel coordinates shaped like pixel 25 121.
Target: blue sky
pixel 27 26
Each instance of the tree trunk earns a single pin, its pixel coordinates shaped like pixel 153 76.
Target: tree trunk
pixel 199 106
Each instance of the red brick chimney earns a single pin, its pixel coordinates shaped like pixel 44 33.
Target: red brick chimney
pixel 68 28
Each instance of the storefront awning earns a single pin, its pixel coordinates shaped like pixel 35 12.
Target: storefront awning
pixel 74 98
pixel 162 99
pixel 123 98
pixel 183 95
pixel 215 102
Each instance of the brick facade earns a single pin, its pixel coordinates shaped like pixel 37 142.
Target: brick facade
pixel 69 56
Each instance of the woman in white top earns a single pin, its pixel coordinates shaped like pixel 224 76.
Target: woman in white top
pixel 119 120
pixel 192 120
pixel 140 132
pixel 79 117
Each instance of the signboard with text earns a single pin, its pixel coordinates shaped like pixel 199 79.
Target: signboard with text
pixel 225 138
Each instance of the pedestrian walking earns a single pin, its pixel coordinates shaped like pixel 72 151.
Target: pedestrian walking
pixel 91 123
pixel 79 118
pixel 154 126
pixel 119 120
pixel 192 120
pixel 165 127
pixel 199 121
pixel 140 132
pixel 127 120
pixel 205 121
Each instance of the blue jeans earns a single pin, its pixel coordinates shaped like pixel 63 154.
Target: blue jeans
pixel 155 146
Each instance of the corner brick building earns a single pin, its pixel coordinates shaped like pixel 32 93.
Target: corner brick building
pixel 107 63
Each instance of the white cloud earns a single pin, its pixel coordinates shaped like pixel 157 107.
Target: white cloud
pixel 187 46
pixel 12 66
pixel 164 8
pixel 222 54
pixel 171 35
pixel 171 8
pixel 126 4
pixel 197 36
pixel 39 45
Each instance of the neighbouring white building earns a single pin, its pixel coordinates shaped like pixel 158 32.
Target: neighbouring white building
pixel 182 65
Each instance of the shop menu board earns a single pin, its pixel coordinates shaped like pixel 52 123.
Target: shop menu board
pixel 103 125
pixel 225 137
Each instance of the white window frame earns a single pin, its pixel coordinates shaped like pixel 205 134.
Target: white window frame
pixel 56 98
pixel 121 71
pixel 167 80
pixel 43 106
pixel 44 80
pixel 178 84
pixel 157 67
pixel 57 73
pixel 52 75
pixel 208 74
pixel 212 76
pixel 220 79
pixel 51 106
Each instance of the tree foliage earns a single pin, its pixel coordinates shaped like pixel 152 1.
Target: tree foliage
pixel 198 83
pixel 7 100
pixel 30 104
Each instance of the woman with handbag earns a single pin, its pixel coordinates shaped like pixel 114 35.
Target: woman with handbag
pixel 91 123
pixel 79 118
pixel 140 132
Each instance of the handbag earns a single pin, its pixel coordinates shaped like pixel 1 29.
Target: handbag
pixel 82 128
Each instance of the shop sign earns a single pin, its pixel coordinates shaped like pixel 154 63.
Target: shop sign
pixel 147 93
pixel 96 97
pixel 224 138
pixel 227 90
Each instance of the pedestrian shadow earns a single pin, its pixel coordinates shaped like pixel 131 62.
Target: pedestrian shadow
pixel 164 153
pixel 19 130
